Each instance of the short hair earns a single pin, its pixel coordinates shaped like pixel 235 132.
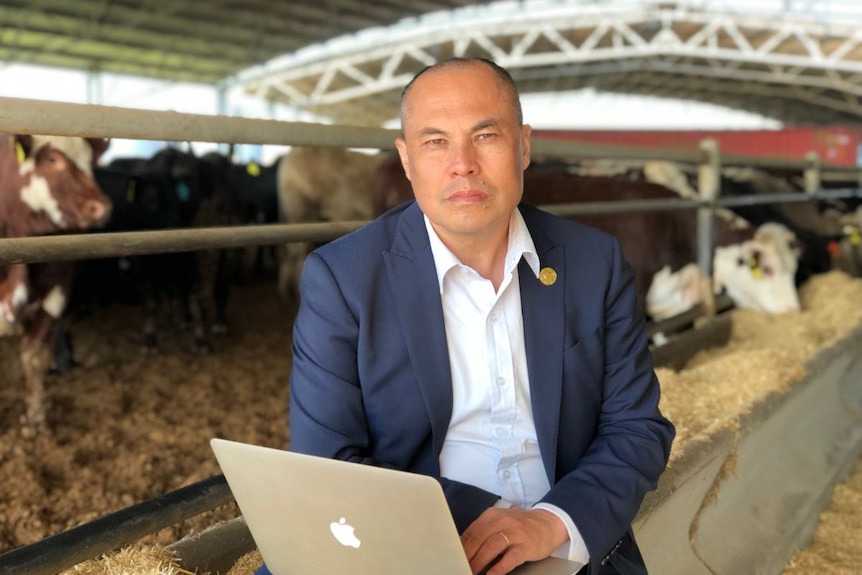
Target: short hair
pixel 501 73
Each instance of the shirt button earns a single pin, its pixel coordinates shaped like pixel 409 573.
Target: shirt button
pixel 493 317
pixel 499 431
pixel 507 474
pixel 501 381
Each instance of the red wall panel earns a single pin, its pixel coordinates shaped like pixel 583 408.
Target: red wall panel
pixel 836 145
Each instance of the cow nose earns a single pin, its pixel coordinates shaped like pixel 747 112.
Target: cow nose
pixel 95 211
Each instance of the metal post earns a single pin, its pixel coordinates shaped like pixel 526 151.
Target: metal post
pixel 709 184
pixel 94 87
pixel 812 174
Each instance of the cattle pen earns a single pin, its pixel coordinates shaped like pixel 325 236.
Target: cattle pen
pixel 830 399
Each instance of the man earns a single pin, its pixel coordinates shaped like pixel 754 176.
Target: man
pixel 485 343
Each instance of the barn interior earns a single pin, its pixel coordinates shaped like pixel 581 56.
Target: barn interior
pixel 768 407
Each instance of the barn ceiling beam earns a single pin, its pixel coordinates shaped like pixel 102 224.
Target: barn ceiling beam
pixel 820 62
pixel 47 30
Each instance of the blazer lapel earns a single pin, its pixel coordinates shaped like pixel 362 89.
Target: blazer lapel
pixel 416 291
pixel 543 309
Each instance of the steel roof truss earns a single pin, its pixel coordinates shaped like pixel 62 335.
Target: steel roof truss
pixel 823 64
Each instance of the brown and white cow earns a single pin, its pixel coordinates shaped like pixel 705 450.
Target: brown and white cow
pixel 46 187
pixel 321 184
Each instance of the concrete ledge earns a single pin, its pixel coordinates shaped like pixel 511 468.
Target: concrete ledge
pixel 779 472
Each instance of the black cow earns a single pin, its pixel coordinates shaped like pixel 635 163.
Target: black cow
pixel 171 190
pixel 256 187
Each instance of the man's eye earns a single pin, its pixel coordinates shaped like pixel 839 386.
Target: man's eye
pixel 485 136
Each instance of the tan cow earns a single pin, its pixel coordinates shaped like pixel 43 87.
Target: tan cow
pixel 321 184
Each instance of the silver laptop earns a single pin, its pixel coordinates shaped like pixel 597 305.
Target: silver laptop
pixel 312 515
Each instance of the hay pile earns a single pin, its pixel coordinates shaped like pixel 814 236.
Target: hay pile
pixel 837 545
pixel 765 355
pixel 137 560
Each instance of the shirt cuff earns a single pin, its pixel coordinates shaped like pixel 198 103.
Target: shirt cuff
pixel 575 549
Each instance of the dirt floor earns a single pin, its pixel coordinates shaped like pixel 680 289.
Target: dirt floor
pixel 126 426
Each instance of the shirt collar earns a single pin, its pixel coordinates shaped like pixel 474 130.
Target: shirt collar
pixel 520 245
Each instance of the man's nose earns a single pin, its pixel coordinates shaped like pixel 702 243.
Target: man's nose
pixel 464 160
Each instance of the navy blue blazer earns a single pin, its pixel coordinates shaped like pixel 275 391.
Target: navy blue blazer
pixel 370 381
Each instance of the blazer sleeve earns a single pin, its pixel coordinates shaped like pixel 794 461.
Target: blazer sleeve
pixel 631 441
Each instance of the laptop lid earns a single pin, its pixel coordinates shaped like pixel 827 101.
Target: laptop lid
pixel 311 515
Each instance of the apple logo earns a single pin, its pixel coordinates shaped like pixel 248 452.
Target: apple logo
pixel 343 532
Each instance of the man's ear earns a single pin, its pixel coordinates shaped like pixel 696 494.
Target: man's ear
pixel 526 144
pixel 401 145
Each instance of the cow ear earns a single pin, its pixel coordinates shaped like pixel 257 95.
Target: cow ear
pixel 99 146
pixel 25 142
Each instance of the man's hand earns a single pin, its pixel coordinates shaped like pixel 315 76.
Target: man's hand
pixel 515 535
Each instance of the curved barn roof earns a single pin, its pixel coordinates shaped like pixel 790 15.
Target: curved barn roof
pixel 791 60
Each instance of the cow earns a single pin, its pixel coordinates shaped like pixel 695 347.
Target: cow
pixel 321 184
pixel 46 187
pixel 170 190
pixel 661 246
pixel 257 193
pixel 846 251
pixel 759 274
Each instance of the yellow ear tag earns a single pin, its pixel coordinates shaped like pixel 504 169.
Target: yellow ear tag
pixel 253 169
pixel 855 237
pixel 756 272
pixel 19 152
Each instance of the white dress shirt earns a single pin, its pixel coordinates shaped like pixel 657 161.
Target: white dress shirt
pixel 491 442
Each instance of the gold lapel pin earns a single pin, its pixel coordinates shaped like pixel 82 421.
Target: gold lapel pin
pixel 548 276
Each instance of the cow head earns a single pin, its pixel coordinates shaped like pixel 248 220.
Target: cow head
pixel 759 274
pixel 55 183
pixel 672 293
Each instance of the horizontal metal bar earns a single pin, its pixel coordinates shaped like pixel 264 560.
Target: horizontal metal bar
pixel 618 207
pixel 18 115
pixel 119 529
pixel 839 193
pixel 63 119
pixel 758 199
pixel 677 322
pixel 102 245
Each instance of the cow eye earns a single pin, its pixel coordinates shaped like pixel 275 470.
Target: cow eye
pixel 56 160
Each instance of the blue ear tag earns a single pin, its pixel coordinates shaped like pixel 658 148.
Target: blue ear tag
pixel 182 191
pixel 19 152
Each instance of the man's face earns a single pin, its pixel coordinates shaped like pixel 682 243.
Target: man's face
pixel 464 151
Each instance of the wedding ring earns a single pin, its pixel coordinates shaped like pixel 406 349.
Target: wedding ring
pixel 503 535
